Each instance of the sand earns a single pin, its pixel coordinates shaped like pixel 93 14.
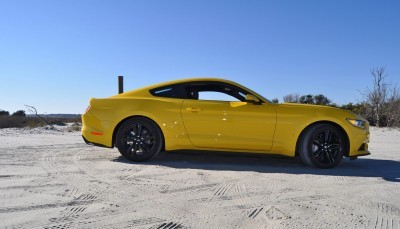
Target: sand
pixel 51 179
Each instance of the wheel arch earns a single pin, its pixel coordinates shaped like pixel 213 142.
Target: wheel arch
pixel 137 116
pixel 340 128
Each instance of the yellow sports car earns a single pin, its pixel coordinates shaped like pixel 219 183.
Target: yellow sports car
pixel 220 115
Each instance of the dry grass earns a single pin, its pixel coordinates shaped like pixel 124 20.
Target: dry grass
pixel 76 126
pixel 10 121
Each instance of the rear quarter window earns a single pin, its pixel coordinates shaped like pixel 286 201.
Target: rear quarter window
pixel 171 91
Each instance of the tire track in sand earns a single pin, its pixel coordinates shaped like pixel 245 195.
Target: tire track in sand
pixel 387 217
pixel 90 182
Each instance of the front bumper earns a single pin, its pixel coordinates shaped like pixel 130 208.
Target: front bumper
pixel 359 139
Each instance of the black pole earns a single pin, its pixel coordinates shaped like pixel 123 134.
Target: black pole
pixel 120 84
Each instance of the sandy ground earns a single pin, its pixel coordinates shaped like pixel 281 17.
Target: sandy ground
pixel 51 179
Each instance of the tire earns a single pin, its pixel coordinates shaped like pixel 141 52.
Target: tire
pixel 139 139
pixel 322 146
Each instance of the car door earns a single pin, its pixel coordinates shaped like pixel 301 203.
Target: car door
pixel 215 122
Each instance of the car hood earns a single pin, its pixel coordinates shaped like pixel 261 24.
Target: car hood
pixel 319 108
pixel 308 106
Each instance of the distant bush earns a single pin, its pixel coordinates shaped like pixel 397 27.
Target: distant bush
pixel 62 121
pixel 12 121
pixel 20 113
pixel 32 122
pixel 357 108
pixel 4 113
pixel 308 99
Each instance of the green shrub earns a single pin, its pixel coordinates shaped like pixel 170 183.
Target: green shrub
pixel 4 113
pixel 20 113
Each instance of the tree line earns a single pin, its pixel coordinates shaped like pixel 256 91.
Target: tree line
pixel 19 113
pixel 380 105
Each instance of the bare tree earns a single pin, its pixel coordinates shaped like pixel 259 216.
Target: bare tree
pixel 382 103
pixel 34 111
pixel 291 98
pixel 376 97
pixel 392 111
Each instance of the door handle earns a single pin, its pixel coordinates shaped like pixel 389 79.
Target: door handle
pixel 193 109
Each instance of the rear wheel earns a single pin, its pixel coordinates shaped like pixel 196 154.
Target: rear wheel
pixel 322 146
pixel 139 139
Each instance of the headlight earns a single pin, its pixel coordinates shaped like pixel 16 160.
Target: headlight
pixel 357 123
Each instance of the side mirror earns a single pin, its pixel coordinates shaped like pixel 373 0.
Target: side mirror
pixel 252 99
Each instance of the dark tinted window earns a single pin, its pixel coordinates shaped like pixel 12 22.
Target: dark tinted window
pixel 170 91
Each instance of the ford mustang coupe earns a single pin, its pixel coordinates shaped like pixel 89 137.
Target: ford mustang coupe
pixel 220 115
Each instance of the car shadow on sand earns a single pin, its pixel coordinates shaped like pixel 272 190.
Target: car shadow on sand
pixel 388 170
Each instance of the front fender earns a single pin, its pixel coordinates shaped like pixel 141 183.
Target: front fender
pixel 292 120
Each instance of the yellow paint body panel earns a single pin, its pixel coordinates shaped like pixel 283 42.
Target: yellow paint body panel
pixel 217 125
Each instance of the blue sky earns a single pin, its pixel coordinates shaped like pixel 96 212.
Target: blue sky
pixel 55 55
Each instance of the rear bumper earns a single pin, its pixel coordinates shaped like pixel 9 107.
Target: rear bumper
pixel 94 144
pixel 97 132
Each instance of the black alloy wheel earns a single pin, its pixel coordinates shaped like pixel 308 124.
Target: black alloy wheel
pixel 322 146
pixel 139 139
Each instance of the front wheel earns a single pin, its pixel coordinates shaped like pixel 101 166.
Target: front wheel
pixel 322 146
pixel 139 139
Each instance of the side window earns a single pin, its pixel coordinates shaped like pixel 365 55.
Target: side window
pixel 214 91
pixel 170 91
pixel 218 96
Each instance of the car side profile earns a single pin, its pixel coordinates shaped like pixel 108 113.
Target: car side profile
pixel 221 115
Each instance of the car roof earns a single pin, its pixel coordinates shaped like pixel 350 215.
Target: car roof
pixel 188 80
pixel 144 91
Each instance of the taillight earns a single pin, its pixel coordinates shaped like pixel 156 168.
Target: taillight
pixel 87 109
